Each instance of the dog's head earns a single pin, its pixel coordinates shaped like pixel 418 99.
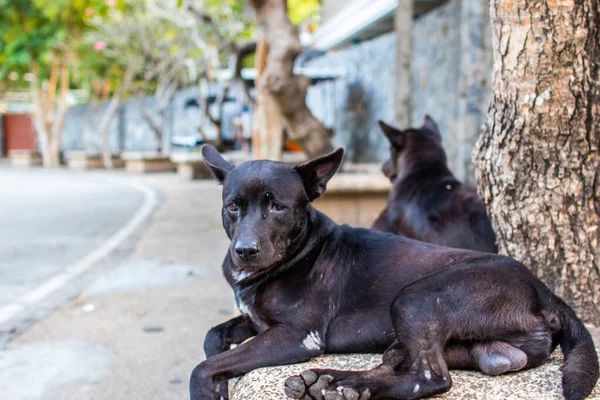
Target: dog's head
pixel 413 145
pixel 266 206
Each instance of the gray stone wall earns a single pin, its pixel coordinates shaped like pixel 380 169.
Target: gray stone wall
pixel 353 103
pixel 435 72
pixel 451 81
pixel 130 132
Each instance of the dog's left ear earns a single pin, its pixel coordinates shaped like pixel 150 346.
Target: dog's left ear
pixel 316 173
pixel 219 166
pixel 395 136
pixel 431 126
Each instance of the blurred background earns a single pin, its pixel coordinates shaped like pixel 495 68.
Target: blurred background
pixel 110 230
pixel 166 76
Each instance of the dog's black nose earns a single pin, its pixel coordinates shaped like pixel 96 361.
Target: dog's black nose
pixel 246 251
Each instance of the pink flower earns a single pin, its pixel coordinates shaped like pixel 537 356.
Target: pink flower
pixel 111 3
pixel 100 45
pixel 89 11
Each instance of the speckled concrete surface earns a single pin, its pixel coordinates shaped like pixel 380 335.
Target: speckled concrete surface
pixel 542 383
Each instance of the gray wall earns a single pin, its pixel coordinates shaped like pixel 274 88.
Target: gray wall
pixel 353 104
pixel 451 81
pixel 130 132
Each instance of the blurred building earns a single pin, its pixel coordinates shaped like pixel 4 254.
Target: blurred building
pixel 450 70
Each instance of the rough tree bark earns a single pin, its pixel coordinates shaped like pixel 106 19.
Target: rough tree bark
pixel 538 159
pixel 288 90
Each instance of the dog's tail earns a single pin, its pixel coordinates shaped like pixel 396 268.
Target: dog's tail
pixel 580 368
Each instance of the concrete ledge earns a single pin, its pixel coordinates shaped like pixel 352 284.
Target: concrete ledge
pixel 355 198
pixel 542 383
pixel 141 162
pixel 24 158
pixel 191 165
pixel 81 160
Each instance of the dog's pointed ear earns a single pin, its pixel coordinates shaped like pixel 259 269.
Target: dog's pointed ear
pixel 219 166
pixel 316 173
pixel 431 126
pixel 395 136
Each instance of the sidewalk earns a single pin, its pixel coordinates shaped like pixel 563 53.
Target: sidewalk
pixel 137 331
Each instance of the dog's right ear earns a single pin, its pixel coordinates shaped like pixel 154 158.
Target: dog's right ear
pixel 219 166
pixel 316 173
pixel 432 126
pixel 395 136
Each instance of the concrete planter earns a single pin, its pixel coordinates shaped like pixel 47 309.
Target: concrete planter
pixel 541 383
pixel 24 158
pixel 147 162
pixel 355 198
pixel 80 160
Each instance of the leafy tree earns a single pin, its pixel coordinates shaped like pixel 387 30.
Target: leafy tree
pixel 153 54
pixel 41 37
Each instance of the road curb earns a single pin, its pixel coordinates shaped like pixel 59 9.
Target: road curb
pixel 34 296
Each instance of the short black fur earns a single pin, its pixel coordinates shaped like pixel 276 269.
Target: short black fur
pixel 426 201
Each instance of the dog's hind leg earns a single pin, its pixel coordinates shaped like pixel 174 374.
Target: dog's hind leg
pixel 496 309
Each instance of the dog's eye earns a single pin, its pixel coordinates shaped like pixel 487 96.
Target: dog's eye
pixel 277 206
pixel 233 207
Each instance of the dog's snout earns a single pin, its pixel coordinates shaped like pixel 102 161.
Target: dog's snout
pixel 246 251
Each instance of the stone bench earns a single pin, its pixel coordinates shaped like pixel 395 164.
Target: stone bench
pixel 356 195
pixel 81 160
pixel 24 158
pixel 142 162
pixel 542 383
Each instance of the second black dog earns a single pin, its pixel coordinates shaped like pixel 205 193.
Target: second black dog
pixel 427 202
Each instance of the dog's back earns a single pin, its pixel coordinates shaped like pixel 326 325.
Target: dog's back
pixel 427 202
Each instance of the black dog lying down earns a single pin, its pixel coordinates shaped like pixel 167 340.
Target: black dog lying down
pixel 306 286
pixel 427 202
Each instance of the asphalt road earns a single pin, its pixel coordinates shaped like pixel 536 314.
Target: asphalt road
pixel 51 219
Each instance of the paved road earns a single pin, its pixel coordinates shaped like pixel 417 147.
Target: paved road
pixel 51 219
pixel 135 331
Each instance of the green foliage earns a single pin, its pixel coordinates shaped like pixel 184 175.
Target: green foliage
pixel 303 10
pixel 30 30
pixel 231 17
pixel 139 36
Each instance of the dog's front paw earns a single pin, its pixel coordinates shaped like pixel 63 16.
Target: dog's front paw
pixel 312 385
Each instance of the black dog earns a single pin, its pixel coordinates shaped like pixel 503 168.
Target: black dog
pixel 306 286
pixel 427 202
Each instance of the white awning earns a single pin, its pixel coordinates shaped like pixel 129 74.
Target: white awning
pixel 351 21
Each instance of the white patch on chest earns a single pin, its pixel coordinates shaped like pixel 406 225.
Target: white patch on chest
pixel 312 342
pixel 239 276
pixel 416 389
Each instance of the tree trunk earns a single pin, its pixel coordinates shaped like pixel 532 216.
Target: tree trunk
pixel 111 111
pixel 104 129
pixel 403 24
pixel 538 160
pixel 61 113
pixel 288 90
pixel 39 119
pixel 48 121
pixel 267 138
